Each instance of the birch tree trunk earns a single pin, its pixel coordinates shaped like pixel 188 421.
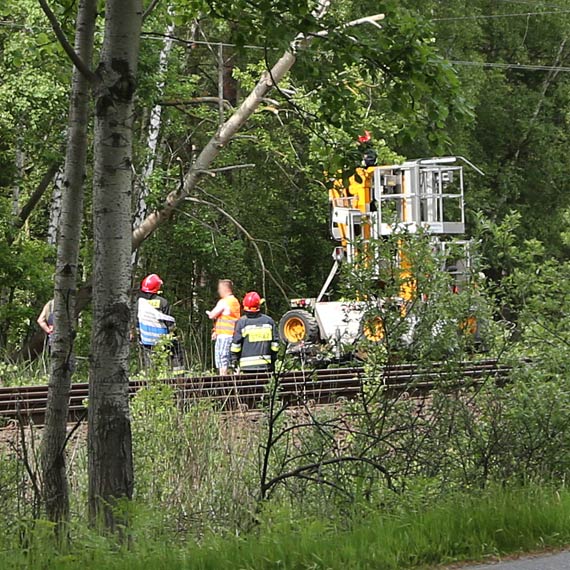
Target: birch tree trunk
pixel 109 439
pixel 20 161
pixel 155 122
pixel 56 205
pixel 54 476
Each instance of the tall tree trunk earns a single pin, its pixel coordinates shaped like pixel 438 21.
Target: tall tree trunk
pixel 69 238
pixel 20 161
pixel 154 126
pixel 55 209
pixel 109 443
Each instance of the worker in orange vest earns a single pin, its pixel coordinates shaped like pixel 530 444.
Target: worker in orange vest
pixel 225 316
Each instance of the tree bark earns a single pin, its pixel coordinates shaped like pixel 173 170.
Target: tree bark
pixel 55 208
pixel 109 438
pixel 155 122
pixel 56 493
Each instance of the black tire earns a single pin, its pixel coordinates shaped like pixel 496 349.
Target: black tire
pixel 298 326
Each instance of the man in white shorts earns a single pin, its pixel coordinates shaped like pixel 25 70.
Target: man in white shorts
pixel 225 316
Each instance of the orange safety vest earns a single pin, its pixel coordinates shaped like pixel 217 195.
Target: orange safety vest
pixel 226 324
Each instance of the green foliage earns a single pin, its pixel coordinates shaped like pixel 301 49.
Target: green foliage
pixel 415 308
pixel 192 466
pixel 26 277
pixel 496 523
pixel 352 79
pixel 283 491
pixel 394 82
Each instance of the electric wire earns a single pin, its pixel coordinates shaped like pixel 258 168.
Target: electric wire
pixel 498 65
pixel 533 3
pixel 497 16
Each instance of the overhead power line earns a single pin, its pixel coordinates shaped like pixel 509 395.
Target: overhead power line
pixel 497 16
pixel 489 65
pixel 528 67
pixel 560 10
pixel 533 3
pixel 8 24
pixel 159 36
pixel 11 24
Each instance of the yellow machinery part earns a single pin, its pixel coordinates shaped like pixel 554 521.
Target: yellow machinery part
pixel 294 329
pixel 374 330
pixel 469 326
pixel 357 196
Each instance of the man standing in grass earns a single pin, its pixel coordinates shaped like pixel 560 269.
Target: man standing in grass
pixel 225 316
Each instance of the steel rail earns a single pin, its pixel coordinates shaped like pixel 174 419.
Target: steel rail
pixel 250 391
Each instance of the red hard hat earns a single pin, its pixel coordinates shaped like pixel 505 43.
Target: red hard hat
pixel 252 302
pixel 151 283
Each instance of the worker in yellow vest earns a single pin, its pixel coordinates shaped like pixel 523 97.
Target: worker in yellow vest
pixel 225 316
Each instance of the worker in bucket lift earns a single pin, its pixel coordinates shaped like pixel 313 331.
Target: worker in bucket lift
pixel 369 155
pixel 256 341
pixel 154 320
pixel 225 316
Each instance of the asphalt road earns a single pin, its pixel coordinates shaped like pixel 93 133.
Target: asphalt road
pixel 559 561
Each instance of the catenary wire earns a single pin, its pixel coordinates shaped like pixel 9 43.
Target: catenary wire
pixel 497 65
pixel 533 3
pixel 497 16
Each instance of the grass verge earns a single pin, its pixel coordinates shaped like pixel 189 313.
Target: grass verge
pixel 463 528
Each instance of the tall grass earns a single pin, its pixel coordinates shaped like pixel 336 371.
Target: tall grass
pixel 463 528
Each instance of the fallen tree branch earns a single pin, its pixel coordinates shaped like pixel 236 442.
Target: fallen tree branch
pixel 229 128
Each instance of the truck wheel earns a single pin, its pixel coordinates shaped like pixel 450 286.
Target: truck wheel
pixel 373 330
pixel 298 326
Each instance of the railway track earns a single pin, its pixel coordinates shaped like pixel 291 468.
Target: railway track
pixel 248 391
